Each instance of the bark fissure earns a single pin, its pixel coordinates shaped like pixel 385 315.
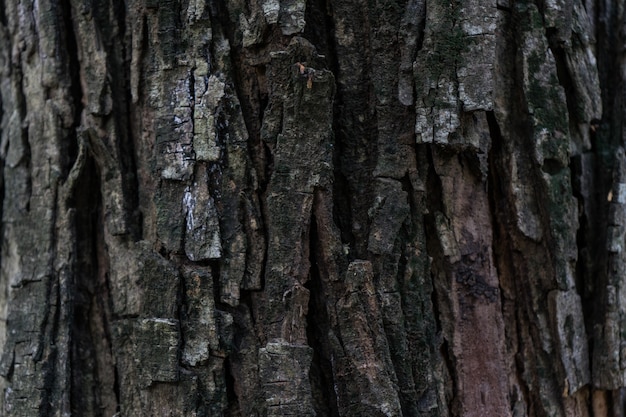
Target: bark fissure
pixel 85 373
pixel 318 327
pixel 76 90
pixel 503 253
pixel 355 120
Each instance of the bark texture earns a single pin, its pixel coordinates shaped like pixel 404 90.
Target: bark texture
pixel 312 207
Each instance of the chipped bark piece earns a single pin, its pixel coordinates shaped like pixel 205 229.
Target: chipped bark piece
pixel 387 216
pixel 571 339
pixel 160 361
pixel 558 15
pixel 446 238
pixel 174 129
pixel 365 352
pixel 253 26
pixel 199 331
pixel 255 245
pixel 170 228
pixel 150 355
pixel 202 237
pixel 284 370
pixel 208 96
pixel 141 277
pixel 291 16
pixel 454 71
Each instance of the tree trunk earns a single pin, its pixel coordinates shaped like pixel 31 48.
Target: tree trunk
pixel 331 208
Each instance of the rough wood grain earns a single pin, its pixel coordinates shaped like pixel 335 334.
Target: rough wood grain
pixel 331 208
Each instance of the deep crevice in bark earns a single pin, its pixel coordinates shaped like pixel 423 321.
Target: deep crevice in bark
pixel 317 329
pixel 319 29
pixel 567 83
pixel 214 267
pixel 250 99
pixel 76 90
pixel 354 126
pixel 342 208
pixel 502 249
pixel 508 243
pixel 117 389
pixel 434 188
pixel 609 63
pixel 496 192
pixel 324 42
pixel 434 204
pixel 231 396
pixel 587 244
pixel 102 307
pixel 85 380
pixel 607 136
pixel 502 258
pixel 253 98
pixel 418 301
pixel 119 13
pixel 3 16
pixel 118 65
pixel 50 399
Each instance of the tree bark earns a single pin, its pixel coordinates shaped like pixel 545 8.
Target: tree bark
pixel 331 208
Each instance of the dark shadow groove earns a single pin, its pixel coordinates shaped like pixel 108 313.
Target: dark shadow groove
pixel 76 92
pixel 318 327
pixel 83 354
pixel 231 395
pixel 118 69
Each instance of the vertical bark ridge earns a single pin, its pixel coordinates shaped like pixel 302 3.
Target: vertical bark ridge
pixel 297 122
pixel 39 364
